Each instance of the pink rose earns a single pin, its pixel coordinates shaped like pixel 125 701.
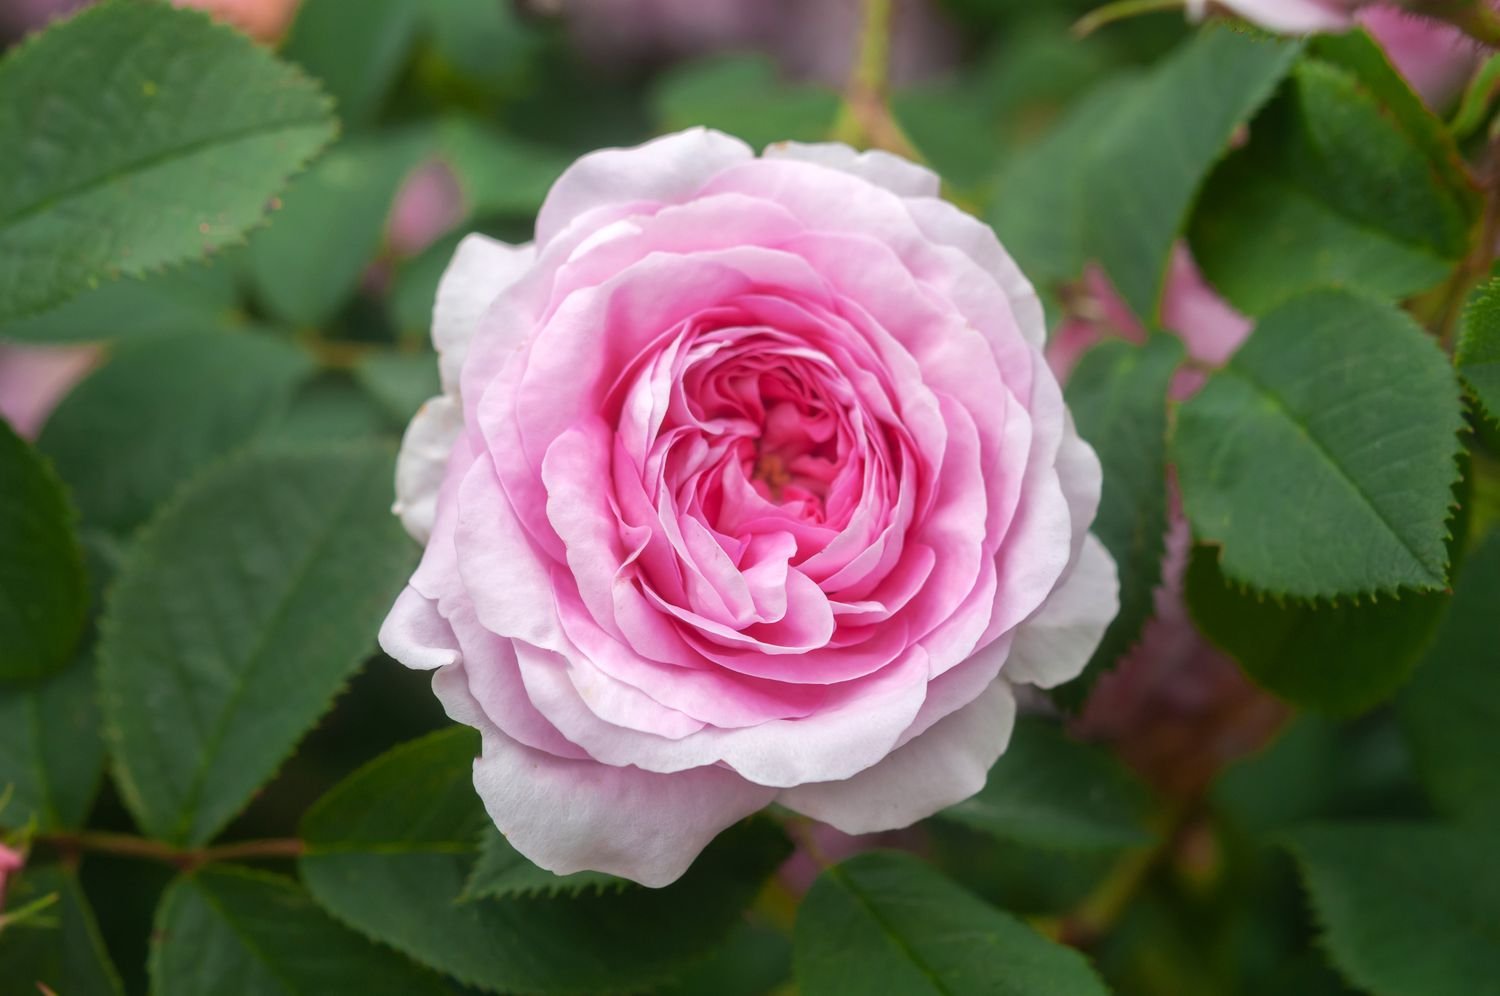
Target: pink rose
pixel 33 379
pixel 748 483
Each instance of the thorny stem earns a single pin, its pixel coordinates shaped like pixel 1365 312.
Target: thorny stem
pixel 865 120
pixel 1119 11
pixel 126 845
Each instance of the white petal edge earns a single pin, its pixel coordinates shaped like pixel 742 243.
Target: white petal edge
pixel 481 268
pixel 1288 16
pixel 665 170
pixel 1056 642
pixel 422 461
pixel 898 175
pixel 940 768
pixel 951 226
pixel 569 816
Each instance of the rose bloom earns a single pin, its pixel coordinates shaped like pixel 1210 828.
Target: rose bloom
pixel 749 483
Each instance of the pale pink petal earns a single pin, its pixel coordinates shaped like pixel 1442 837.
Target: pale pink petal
pixel 898 175
pixel 33 379
pixel 422 462
pixel 666 170
pixel 481 269
pixel 1055 643
pixel 944 766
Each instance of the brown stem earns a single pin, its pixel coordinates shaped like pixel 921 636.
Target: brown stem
pixel 1476 266
pixel 72 845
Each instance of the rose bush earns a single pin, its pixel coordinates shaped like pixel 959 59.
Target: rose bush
pixel 749 483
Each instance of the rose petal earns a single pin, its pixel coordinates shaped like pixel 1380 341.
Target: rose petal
pixel 1057 641
pixel 943 766
pixel 667 170
pixel 898 175
pixel 481 269
pixel 422 463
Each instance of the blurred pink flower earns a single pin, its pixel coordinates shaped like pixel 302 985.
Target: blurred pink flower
pixel 1437 59
pixel 428 205
pixel 1174 707
pixel 18 17
pixel 1290 16
pixel 1210 328
pixel 263 20
pixel 11 860
pixel 33 379
pixel 809 39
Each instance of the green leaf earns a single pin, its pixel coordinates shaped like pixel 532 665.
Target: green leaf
pixel 51 750
pixel 498 174
pixel 1451 712
pixel 1478 97
pixel 739 94
pixel 1160 143
pixel 400 382
pixel 1118 396
pixel 330 226
pixel 238 616
pixel 139 136
pixel 356 50
pixel 1478 353
pixel 1406 908
pixel 754 961
pixel 1339 659
pixel 43 596
pixel 1330 190
pixel 1323 457
pixel 1049 792
pixel 68 958
pixel 1357 52
pixel 158 411
pixel 503 872
pixel 231 930
pixel 389 850
pixel 188 299
pixel 1040 208
pixel 487 44
pixel 332 407
pixel 887 923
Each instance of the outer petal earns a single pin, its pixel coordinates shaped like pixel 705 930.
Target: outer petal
pixel 949 226
pixel 898 175
pixel 1057 641
pixel 480 269
pixel 666 170
pixel 416 635
pixel 422 461
pixel 1292 16
pixel 943 766
pixel 569 816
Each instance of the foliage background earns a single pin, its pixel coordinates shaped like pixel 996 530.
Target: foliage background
pixel 219 789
